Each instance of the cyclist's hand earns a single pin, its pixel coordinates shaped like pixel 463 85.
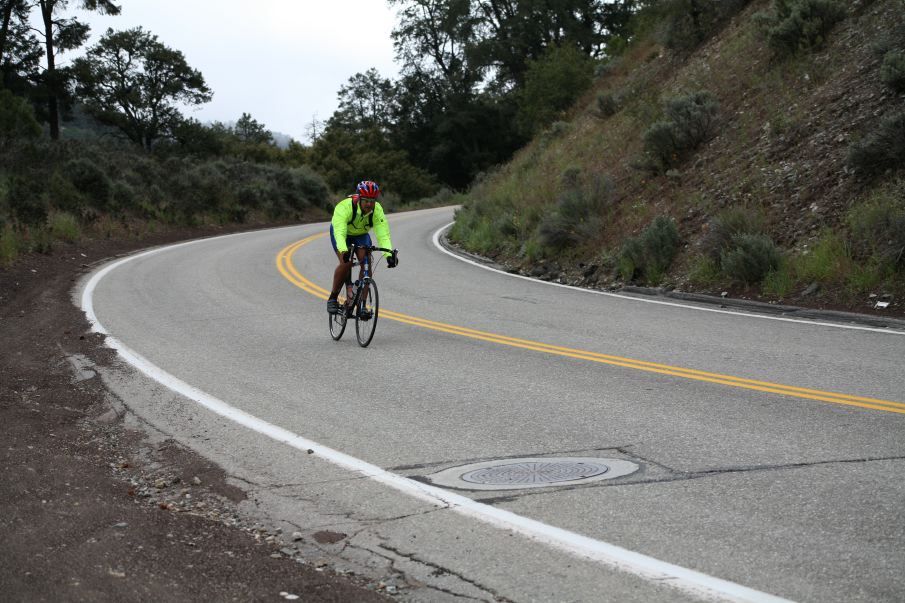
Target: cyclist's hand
pixel 393 260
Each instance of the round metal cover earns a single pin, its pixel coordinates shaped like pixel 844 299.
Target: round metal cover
pixel 516 474
pixel 529 473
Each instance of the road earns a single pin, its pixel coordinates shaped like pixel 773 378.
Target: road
pixel 768 455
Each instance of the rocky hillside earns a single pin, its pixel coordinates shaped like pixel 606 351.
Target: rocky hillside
pixel 778 153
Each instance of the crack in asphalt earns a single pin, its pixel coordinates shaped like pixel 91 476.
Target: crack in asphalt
pixel 682 476
pixel 455 462
pixel 317 483
pixel 439 570
pixel 751 468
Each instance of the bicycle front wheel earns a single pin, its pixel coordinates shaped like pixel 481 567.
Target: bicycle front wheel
pixel 366 316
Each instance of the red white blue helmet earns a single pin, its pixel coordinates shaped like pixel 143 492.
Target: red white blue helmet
pixel 368 189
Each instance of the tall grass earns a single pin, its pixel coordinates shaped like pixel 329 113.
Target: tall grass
pixel 878 228
pixel 64 226
pixel 9 244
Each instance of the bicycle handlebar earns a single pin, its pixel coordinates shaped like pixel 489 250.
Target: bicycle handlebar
pixel 370 248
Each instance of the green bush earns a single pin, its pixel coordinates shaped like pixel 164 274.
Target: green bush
pixel 198 189
pixel 892 71
pixel 577 217
pixel 478 236
pixel 39 239
pixel 882 149
pixel 650 254
pixel 878 230
pixel 689 122
pixel 90 180
pixel 751 258
pixel 607 105
pixel 64 195
pixel 661 145
pixel 630 259
pixel 725 226
pixel 688 23
pixel 797 25
pixel 17 118
pixel 27 201
pixel 308 188
pixel 122 194
pixel 558 129
pixel 473 227
pixel 694 118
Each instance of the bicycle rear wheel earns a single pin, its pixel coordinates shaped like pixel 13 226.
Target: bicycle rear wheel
pixel 366 316
pixel 337 323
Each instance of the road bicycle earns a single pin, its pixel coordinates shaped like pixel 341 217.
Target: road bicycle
pixel 363 305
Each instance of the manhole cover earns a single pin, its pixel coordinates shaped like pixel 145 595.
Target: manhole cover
pixel 516 474
pixel 528 473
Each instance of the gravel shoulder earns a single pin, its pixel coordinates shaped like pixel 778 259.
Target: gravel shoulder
pixel 94 507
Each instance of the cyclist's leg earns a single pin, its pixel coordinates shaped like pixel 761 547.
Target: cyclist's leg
pixel 361 253
pixel 365 240
pixel 341 274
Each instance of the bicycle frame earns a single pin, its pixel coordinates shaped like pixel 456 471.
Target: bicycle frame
pixel 358 306
pixel 359 287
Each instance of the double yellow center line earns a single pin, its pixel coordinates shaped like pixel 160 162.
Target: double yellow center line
pixel 289 271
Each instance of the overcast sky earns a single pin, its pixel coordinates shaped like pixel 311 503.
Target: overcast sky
pixel 282 61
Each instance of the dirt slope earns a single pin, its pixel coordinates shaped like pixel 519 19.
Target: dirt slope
pixel 93 511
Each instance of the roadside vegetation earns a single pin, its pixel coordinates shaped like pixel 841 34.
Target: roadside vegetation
pixel 756 147
pixel 100 146
pixel 747 145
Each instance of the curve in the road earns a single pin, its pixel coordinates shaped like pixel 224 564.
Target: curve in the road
pixel 291 273
pixel 660 572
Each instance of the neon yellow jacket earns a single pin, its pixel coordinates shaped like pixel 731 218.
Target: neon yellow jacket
pixel 342 216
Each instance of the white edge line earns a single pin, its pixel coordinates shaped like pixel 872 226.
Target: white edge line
pixel 660 572
pixel 436 239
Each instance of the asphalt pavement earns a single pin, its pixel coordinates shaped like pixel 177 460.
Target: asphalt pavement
pixel 768 450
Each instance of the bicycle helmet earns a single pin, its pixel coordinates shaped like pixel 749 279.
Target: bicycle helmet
pixel 368 189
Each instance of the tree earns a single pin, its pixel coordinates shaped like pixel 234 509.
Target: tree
pixel 192 137
pixel 20 55
pixel 133 82
pixel 465 65
pixel 250 130
pixel 366 102
pixel 434 37
pixel 520 31
pixel 552 83
pixel 344 157
pixel 61 35
pixel 20 51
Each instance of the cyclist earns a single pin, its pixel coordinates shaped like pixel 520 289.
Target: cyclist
pixel 353 218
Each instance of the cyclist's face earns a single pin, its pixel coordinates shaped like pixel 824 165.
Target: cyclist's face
pixel 367 205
